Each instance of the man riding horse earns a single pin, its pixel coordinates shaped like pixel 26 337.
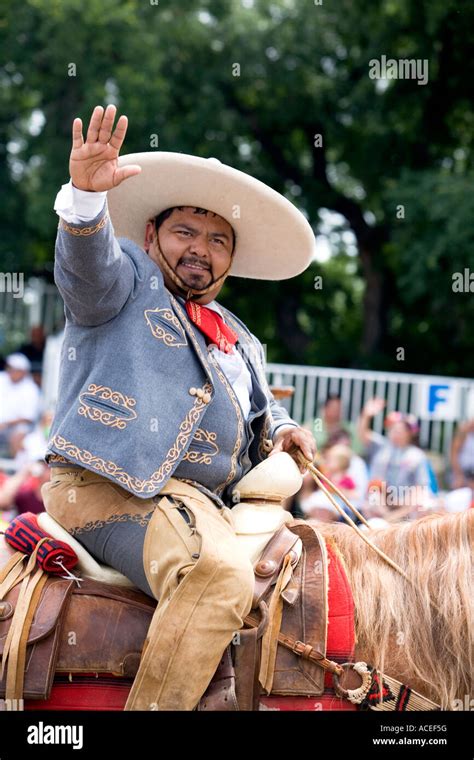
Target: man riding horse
pixel 163 402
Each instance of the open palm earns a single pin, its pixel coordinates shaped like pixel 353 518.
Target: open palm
pixel 374 406
pixel 93 164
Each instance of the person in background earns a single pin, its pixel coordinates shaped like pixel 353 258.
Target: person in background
pixel 330 422
pixel 358 470
pixel 296 504
pixel 19 402
pixel 33 446
pixel 309 495
pixel 22 491
pixel 396 462
pixel 34 351
pixel 462 456
pixel 334 464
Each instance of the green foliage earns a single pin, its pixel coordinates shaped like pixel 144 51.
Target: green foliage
pixel 171 68
pixel 432 244
pixel 306 318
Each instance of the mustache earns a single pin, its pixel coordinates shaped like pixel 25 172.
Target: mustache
pixel 195 261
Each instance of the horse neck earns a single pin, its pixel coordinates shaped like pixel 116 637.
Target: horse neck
pixel 419 633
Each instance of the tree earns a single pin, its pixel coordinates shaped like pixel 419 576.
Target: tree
pixel 280 89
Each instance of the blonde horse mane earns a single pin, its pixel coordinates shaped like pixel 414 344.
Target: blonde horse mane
pixel 422 632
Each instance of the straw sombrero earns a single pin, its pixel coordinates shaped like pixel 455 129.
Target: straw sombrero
pixel 274 241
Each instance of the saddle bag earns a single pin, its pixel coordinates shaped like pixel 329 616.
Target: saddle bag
pixel 39 648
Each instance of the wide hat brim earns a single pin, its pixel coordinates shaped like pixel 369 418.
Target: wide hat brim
pixel 274 241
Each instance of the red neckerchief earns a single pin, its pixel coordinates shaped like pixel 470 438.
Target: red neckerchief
pixel 213 326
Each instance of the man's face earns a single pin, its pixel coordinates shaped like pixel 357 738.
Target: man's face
pixel 197 246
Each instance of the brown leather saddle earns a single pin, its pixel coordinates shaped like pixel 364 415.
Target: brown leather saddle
pixel 300 659
pixel 100 628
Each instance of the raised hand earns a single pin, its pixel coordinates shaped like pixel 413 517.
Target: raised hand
pixel 93 163
pixel 374 406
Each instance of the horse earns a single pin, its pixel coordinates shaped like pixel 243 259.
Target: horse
pixel 418 631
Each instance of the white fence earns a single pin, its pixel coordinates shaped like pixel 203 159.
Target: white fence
pixel 36 303
pixel 402 392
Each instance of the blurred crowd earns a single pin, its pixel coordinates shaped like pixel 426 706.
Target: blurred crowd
pixel 24 429
pixel 386 477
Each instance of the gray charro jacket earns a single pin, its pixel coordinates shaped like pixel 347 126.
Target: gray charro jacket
pixel 141 398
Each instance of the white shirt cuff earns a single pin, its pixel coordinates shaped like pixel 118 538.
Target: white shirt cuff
pixel 75 206
pixel 281 427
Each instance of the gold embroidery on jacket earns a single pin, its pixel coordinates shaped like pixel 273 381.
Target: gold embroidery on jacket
pixel 264 436
pixel 174 336
pixel 112 408
pixel 84 231
pixel 184 316
pixel 202 448
pixel 134 484
pixel 51 458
